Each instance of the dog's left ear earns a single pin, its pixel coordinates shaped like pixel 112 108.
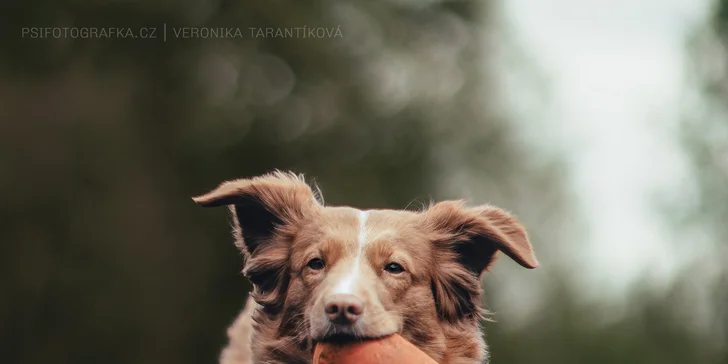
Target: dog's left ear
pixel 264 211
pixel 261 204
pixel 467 240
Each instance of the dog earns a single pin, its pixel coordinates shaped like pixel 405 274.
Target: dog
pixel 330 273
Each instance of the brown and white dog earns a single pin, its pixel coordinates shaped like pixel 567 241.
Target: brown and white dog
pixel 338 273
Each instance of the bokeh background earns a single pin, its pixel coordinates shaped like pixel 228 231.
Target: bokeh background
pixel 602 124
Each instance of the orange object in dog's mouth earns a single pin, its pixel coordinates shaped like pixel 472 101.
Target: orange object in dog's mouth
pixel 385 350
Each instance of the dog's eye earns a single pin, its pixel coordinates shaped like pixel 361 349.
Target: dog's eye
pixel 316 264
pixel 394 268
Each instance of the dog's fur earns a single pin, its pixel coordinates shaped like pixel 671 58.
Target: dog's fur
pixel 281 225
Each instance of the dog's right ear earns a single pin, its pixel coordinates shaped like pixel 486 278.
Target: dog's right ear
pixel 260 205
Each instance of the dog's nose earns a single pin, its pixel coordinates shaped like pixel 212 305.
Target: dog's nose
pixel 343 309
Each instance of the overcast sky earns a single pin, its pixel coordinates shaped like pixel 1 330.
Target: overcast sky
pixel 616 71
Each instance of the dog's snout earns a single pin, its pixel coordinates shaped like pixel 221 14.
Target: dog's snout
pixel 343 309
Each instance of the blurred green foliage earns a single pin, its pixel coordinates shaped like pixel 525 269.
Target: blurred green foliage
pixel 686 322
pixel 103 141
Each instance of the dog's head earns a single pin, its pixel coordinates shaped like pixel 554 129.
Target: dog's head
pixel 341 273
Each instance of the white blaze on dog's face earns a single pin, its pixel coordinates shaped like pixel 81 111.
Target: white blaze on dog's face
pixel 353 278
pixel 345 273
